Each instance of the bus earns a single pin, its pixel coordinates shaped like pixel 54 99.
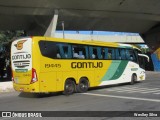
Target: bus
pixel 45 64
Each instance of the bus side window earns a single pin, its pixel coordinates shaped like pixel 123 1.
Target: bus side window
pixel 64 50
pixel 99 52
pixel 91 55
pixel 86 52
pixel 95 52
pixel 80 52
pixel 122 53
pixel 118 56
pixel 58 52
pixel 58 55
pixel 105 53
pixel 111 54
pixel 81 55
pixel 75 52
pixel 48 49
pixel 61 51
pixel 68 54
pixel 130 55
pixel 95 55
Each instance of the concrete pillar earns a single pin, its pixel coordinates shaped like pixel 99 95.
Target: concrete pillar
pixel 152 39
pixel 50 32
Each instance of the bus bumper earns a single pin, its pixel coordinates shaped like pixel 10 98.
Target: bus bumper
pixel 142 76
pixel 26 88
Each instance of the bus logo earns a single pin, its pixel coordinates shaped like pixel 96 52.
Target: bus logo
pixel 19 44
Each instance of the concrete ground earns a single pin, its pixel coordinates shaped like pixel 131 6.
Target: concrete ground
pixel 141 97
pixel 6 85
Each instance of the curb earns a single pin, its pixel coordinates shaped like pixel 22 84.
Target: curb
pixel 6 86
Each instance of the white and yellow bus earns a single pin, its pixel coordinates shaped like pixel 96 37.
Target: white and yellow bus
pixel 44 64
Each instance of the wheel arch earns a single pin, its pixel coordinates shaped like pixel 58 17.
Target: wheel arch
pixel 134 74
pixel 70 78
pixel 65 91
pixel 133 81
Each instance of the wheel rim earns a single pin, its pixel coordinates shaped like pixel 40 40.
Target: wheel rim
pixel 83 86
pixel 134 78
pixel 69 88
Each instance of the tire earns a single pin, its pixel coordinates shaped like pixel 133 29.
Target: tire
pixel 83 85
pixel 69 87
pixel 133 79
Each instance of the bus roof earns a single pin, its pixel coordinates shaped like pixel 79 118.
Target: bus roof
pixel 89 42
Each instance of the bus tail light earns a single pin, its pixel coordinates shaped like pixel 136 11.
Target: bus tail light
pixel 34 76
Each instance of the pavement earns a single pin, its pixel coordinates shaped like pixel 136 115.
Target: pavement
pixel 6 85
pixel 138 98
pixel 142 98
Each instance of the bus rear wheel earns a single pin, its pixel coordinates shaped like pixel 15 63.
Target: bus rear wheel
pixel 133 79
pixel 83 85
pixel 69 87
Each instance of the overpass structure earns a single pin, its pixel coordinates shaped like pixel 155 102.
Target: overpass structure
pixel 35 16
pixel 131 39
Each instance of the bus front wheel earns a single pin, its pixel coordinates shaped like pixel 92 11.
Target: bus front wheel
pixel 83 85
pixel 133 79
pixel 69 87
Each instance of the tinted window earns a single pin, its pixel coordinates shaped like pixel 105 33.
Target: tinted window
pixel 111 53
pixel 80 51
pixel 48 49
pixel 95 52
pixel 123 54
pixel 55 50
pixel 64 50
pixel 105 53
pixel 118 54
pixel 130 55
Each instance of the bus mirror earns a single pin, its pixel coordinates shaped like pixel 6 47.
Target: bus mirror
pixel 145 56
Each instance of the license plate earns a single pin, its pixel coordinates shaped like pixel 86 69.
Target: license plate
pixel 21 89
